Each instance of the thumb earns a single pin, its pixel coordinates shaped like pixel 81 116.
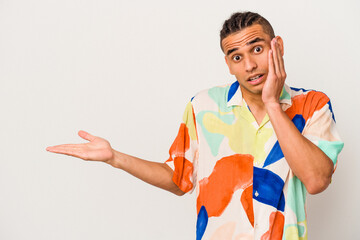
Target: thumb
pixel 86 135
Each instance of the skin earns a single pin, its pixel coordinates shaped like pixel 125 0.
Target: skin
pixel 265 56
pixel 247 53
pixel 249 57
pixel 99 149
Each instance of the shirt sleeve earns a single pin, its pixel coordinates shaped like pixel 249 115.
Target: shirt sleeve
pixel 320 128
pixel 184 152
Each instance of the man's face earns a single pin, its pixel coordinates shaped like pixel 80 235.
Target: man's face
pixel 246 54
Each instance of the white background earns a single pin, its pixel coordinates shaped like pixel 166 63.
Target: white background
pixel 125 71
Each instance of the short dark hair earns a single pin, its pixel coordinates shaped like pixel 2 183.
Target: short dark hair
pixel 240 20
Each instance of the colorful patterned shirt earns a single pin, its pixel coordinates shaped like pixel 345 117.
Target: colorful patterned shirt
pixel 244 186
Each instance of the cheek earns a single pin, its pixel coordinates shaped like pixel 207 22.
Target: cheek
pixel 263 59
pixel 237 69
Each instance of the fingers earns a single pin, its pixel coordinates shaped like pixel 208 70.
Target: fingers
pixel 275 49
pixel 75 150
pixel 278 60
pixel 282 66
pixel 281 61
pixel 86 135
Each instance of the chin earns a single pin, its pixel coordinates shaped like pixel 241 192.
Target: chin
pixel 256 90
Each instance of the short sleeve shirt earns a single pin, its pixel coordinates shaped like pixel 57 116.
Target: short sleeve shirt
pixel 244 186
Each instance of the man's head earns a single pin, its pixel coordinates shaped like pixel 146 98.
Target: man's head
pixel 240 20
pixel 246 40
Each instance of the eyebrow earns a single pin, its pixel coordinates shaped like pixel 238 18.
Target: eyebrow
pixel 247 44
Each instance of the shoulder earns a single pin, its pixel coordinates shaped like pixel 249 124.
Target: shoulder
pixel 307 102
pixel 213 94
pixel 308 96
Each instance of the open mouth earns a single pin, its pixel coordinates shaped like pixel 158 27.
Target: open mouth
pixel 256 80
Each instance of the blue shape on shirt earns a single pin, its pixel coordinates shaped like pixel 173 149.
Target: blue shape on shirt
pixel 298 89
pixel 299 122
pixel 276 153
pixel 202 221
pixel 281 204
pixel 268 188
pixel 232 90
pixel 330 108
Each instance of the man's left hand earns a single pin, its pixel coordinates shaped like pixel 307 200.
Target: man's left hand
pixel 276 75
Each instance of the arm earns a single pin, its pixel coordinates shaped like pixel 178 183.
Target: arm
pixel 155 173
pixel 99 149
pixel 309 163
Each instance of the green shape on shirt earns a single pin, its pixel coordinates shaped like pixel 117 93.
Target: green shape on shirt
pixel 213 139
pixel 331 149
pixel 219 94
pixel 296 198
pixel 284 94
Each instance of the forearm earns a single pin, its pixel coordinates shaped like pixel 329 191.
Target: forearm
pixel 154 173
pixel 311 165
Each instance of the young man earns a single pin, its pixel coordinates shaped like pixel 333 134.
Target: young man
pixel 251 149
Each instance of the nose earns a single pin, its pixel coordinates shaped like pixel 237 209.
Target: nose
pixel 250 64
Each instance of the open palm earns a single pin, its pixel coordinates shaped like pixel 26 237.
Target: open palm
pixel 97 149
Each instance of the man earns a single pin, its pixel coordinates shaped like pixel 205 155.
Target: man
pixel 251 149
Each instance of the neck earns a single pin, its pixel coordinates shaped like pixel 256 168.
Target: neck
pixel 254 100
pixel 256 105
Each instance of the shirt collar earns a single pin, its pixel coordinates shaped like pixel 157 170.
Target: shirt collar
pixel 234 96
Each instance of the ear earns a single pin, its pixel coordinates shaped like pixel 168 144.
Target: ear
pixel 227 63
pixel 281 44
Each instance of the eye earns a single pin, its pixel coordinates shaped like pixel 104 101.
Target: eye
pixel 236 58
pixel 258 49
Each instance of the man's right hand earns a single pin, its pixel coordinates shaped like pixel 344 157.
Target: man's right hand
pixel 97 149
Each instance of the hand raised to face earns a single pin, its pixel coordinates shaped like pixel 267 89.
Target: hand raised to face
pixel 276 75
pixel 97 149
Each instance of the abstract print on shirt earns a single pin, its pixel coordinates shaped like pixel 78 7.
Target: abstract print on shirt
pixel 244 186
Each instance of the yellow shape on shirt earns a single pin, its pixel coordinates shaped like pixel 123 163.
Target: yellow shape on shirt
pixel 292 233
pixel 188 119
pixel 243 136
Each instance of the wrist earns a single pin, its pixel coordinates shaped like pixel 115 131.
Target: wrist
pixel 272 106
pixel 115 159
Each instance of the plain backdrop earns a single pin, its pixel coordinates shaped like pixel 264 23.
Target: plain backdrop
pixel 124 70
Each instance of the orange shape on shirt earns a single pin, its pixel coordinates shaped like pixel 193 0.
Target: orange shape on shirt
pixel 246 201
pixel 307 104
pixel 276 227
pixel 183 172
pixel 181 143
pixel 183 167
pixel 230 174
